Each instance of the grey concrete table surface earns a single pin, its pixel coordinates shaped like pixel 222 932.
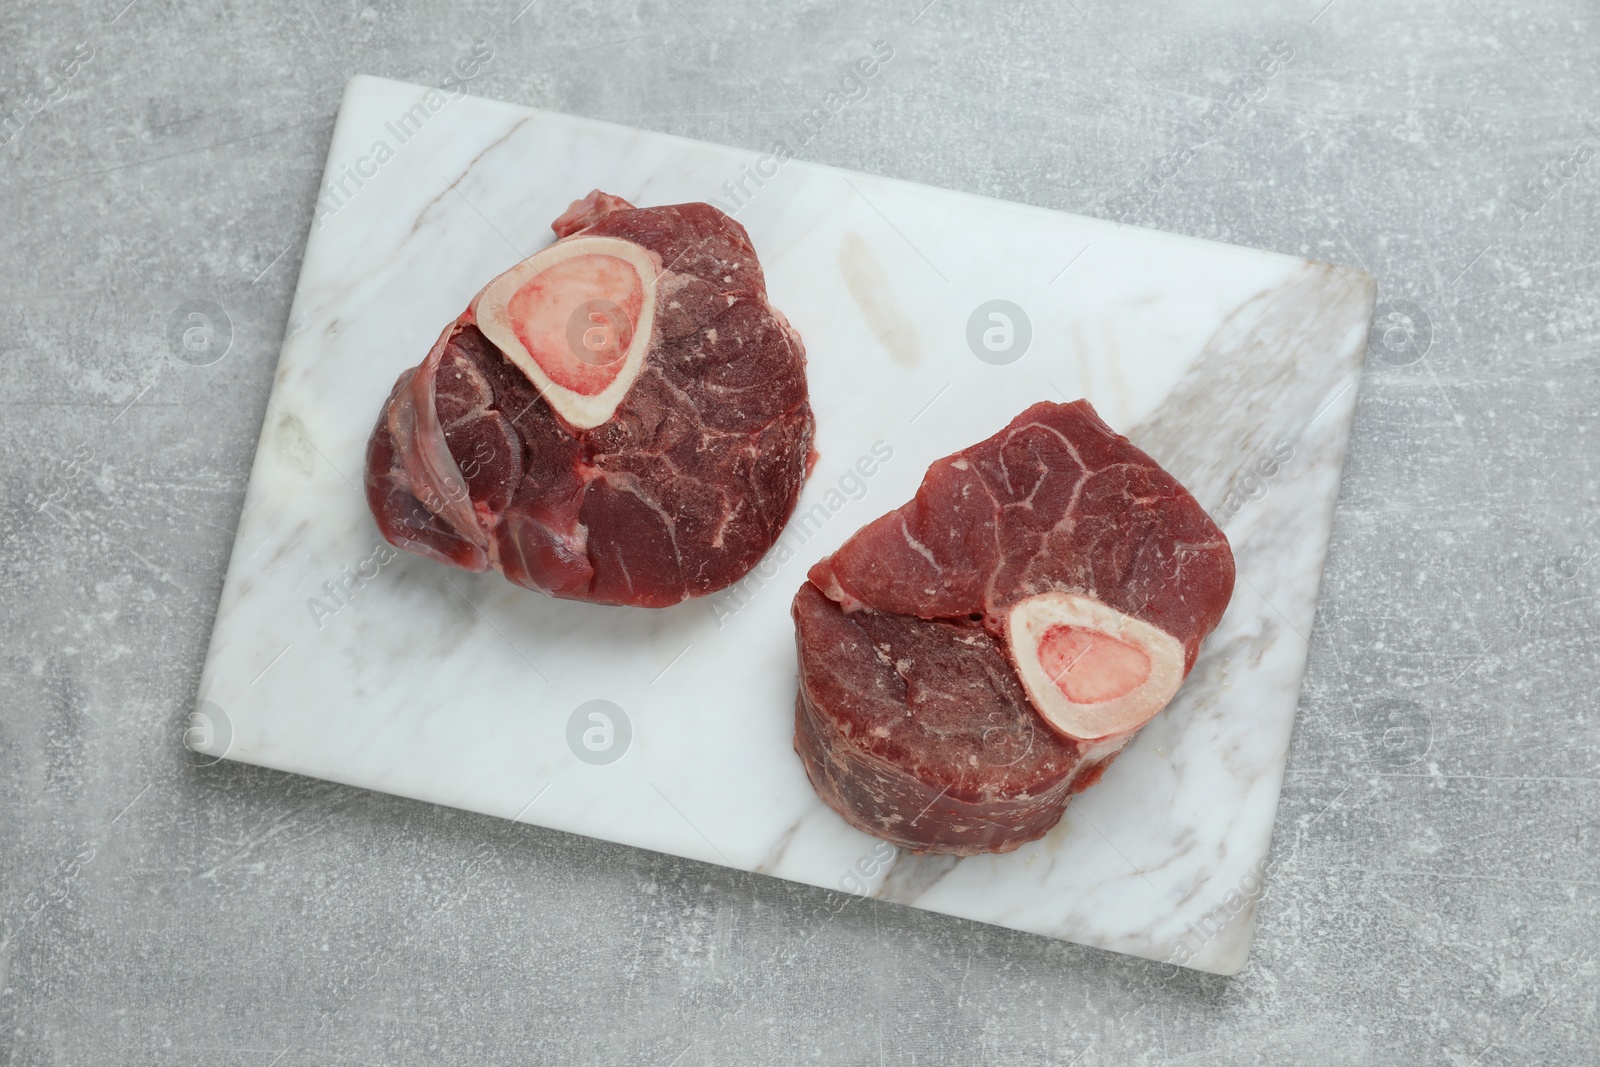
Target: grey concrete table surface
pixel 1433 891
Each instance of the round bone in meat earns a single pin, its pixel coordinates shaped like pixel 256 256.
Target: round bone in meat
pixel 576 319
pixel 1095 674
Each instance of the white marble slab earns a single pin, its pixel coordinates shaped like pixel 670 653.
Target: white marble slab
pixel 458 689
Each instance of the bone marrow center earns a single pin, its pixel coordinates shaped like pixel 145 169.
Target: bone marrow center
pixel 1090 667
pixel 1093 673
pixel 577 319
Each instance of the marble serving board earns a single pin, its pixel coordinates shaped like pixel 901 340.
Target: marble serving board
pixel 670 730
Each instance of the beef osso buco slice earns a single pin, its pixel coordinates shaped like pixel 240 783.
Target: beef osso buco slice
pixel 621 418
pixel 972 659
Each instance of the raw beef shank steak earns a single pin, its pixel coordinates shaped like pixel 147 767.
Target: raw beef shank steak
pixel 621 418
pixel 972 659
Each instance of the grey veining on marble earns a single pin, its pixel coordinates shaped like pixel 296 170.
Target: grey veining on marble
pixel 1431 886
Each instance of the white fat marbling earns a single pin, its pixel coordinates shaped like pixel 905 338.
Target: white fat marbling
pixel 456 688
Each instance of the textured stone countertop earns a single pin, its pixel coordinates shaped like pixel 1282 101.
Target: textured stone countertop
pixel 1433 892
